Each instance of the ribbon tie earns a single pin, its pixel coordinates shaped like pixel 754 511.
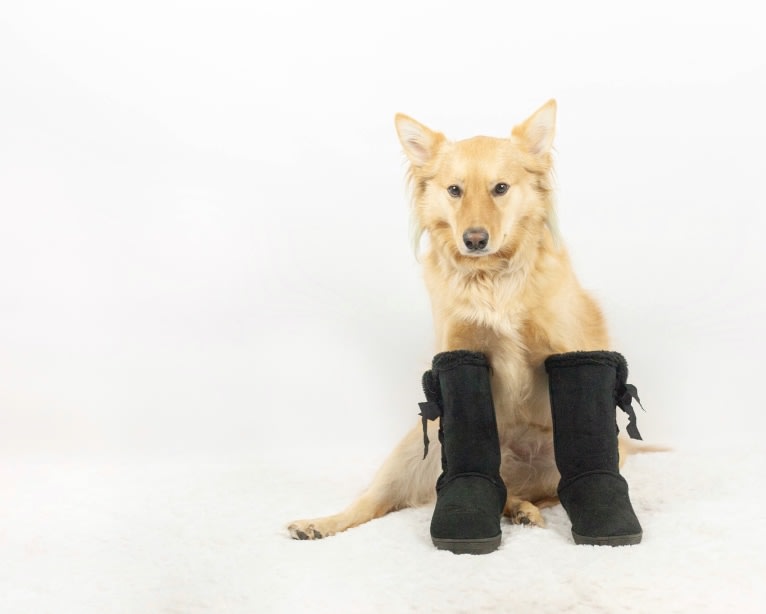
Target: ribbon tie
pixel 625 395
pixel 430 409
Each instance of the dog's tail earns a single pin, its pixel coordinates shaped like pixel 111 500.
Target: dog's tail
pixel 628 447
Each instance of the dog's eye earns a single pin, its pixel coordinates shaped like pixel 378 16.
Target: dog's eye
pixel 455 191
pixel 500 189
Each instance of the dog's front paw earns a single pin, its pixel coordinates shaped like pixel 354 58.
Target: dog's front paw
pixel 307 529
pixel 524 512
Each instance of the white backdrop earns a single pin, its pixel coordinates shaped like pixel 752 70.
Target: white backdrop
pixel 204 231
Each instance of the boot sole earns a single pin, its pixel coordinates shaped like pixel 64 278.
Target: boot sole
pixel 615 540
pixel 483 545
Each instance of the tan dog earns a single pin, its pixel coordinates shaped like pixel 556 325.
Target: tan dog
pixel 500 283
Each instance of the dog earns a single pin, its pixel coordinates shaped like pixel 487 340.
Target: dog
pixel 501 283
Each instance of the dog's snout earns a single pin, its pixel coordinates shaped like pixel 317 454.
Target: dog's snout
pixel 475 239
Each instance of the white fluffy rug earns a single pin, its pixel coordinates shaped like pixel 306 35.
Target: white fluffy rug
pixel 187 536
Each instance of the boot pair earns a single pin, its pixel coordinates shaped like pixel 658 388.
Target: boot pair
pixel 584 389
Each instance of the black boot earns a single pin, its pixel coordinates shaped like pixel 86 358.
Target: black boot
pixel 584 389
pixel 470 493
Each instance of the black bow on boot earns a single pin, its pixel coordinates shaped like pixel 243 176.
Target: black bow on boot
pixel 470 493
pixel 585 388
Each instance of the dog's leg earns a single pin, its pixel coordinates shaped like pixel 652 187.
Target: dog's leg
pixel 406 479
pixel 458 335
pixel 463 335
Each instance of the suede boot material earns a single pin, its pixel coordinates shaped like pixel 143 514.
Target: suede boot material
pixel 470 493
pixel 585 388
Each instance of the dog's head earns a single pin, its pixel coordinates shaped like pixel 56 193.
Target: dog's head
pixel 483 199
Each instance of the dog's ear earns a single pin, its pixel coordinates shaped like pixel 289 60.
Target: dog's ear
pixel 420 143
pixel 535 135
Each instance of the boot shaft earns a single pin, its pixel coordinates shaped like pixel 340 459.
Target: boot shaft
pixel 468 428
pixel 584 390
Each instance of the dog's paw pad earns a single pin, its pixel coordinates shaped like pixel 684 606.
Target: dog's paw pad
pixel 298 531
pixel 526 514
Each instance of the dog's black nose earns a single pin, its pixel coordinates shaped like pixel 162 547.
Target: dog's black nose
pixel 475 239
